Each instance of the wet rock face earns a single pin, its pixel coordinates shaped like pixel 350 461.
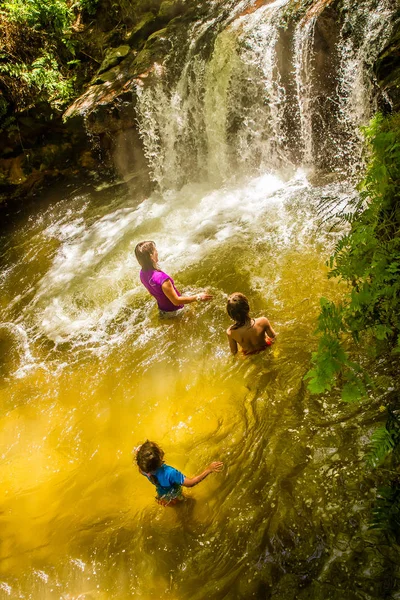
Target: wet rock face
pixel 147 25
pixel 387 69
pixel 170 9
pixel 34 152
pixel 106 109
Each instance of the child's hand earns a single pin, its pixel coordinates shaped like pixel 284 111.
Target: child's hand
pixel 204 297
pixel 216 467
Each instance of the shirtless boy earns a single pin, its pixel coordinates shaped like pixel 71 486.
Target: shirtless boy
pixel 253 335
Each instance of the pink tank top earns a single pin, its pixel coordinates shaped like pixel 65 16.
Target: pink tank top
pixel 152 281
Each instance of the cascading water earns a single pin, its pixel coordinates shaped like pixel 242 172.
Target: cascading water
pixel 249 112
pixel 227 122
pixel 355 96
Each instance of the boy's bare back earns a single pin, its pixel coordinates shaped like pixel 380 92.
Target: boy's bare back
pixel 254 335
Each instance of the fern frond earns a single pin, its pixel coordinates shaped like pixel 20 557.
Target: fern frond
pixel 386 511
pixel 382 444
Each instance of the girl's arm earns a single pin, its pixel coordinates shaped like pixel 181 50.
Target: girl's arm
pixel 232 343
pixel 215 467
pixel 176 300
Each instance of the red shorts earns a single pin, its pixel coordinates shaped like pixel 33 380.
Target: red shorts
pixel 268 343
pixel 169 501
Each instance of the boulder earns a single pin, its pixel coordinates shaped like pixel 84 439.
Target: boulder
pixel 113 57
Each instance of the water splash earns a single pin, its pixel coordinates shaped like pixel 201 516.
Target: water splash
pixel 15 351
pixel 91 297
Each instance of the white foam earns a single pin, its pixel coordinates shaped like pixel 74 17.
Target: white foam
pixel 92 297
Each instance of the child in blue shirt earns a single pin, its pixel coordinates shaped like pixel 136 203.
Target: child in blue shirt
pixel 168 481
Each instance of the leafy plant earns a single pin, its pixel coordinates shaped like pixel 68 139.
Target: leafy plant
pixel 90 6
pixel 386 512
pixel 367 258
pixel 53 15
pixel 385 442
pixel 36 45
pixel 384 450
pixel 45 77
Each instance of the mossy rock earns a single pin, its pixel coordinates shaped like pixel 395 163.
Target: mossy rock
pixel 158 42
pixel 147 25
pixel 113 58
pixel 170 9
pixel 107 77
pixel 143 61
pixel 157 35
pixel 157 45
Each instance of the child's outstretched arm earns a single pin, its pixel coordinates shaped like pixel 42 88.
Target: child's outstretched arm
pixel 176 300
pixel 215 467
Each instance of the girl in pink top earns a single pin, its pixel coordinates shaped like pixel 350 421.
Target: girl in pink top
pixel 160 285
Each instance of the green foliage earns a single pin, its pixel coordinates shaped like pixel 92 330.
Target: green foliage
pixel 386 512
pixel 53 15
pixel 36 43
pixel 382 444
pixel 384 448
pixel 89 6
pixel 367 258
pixel 331 359
pixel 45 77
pixel 385 442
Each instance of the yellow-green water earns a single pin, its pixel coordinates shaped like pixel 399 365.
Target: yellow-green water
pixel 89 372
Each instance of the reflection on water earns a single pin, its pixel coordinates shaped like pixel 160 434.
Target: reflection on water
pixel 90 372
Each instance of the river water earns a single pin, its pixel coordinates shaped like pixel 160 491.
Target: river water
pixel 89 370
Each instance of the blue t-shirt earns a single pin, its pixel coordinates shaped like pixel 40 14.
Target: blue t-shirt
pixel 169 479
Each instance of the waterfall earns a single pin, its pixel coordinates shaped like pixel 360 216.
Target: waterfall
pixel 355 86
pixel 304 72
pixel 255 94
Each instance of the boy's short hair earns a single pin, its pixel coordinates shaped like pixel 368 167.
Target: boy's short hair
pixel 149 457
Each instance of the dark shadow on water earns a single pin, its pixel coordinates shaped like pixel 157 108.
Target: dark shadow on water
pixel 184 512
